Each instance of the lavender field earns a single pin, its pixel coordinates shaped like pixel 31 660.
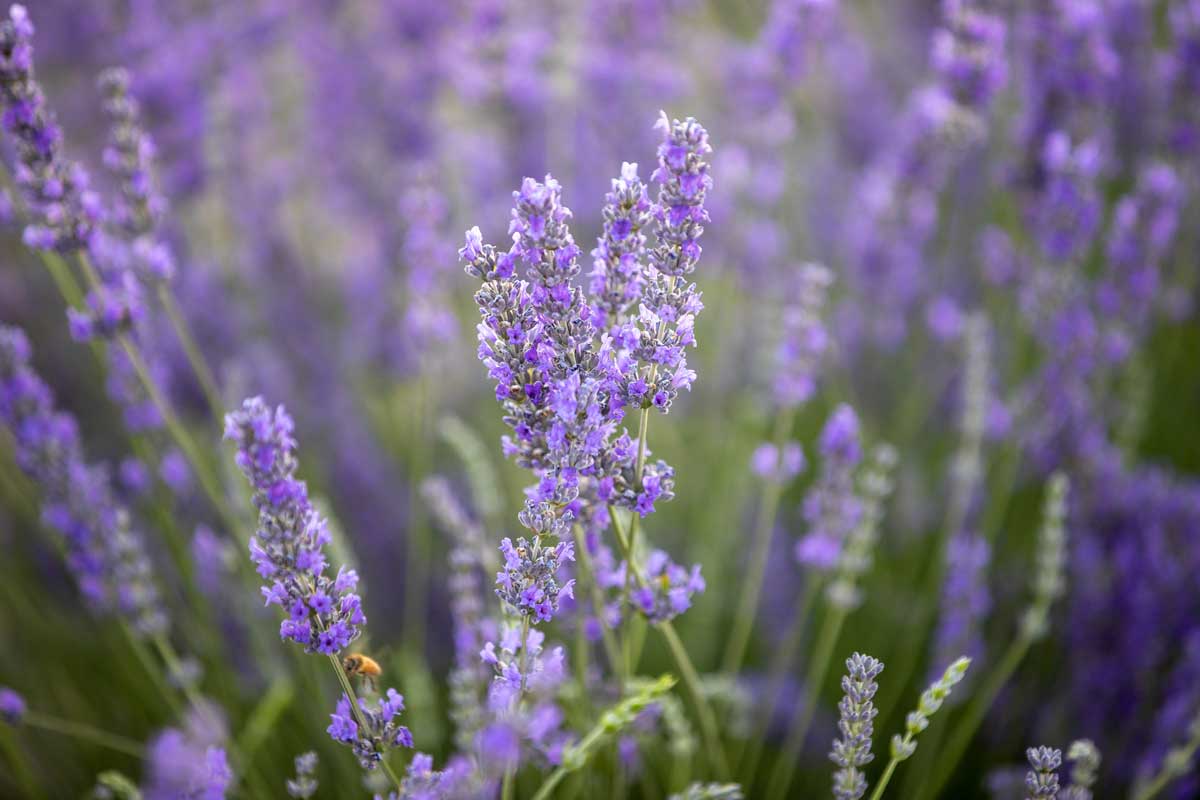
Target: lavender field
pixel 695 399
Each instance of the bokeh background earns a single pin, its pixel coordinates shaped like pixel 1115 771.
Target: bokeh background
pixel 320 161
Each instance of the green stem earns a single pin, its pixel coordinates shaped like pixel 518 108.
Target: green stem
pixel 585 745
pixel 179 433
pixel 886 777
pixel 204 374
pixel 83 732
pixel 606 634
pixel 510 775
pixel 781 776
pixel 747 608
pixel 60 273
pixel 779 672
pixel 708 720
pixel 976 710
pixel 1169 772
pixel 417 562
pixel 24 775
pixel 352 696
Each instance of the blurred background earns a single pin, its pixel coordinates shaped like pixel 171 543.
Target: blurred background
pixel 320 162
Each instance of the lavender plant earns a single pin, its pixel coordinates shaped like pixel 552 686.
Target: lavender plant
pixel 256 202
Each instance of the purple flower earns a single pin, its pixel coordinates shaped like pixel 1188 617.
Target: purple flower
pixel 529 580
pixel 64 210
pixel 106 556
pixel 190 762
pixel 832 507
pixel 371 732
pixel 852 750
pixel 12 706
pixel 288 546
pixel 666 589
pixel 804 339
pixel 965 599
pixel 618 270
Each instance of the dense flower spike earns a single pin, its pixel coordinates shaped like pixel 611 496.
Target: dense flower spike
pixel 966 599
pixel 683 171
pixel 106 556
pixel 468 680
pixel 1085 764
pixel 805 339
pixel 381 734
pixel 618 272
pixel 529 579
pixel 667 314
pixel 857 555
pixel 56 190
pixel 852 750
pixel 832 508
pixel 129 156
pixel 1049 581
pixel 1041 782
pixel 968 52
pixel 323 613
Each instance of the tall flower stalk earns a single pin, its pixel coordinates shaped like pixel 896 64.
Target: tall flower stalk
pixel 323 613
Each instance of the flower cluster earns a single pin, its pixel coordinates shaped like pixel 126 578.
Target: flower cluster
pixel 857 716
pixel 931 701
pixel 618 273
pixel 458 779
pixel 857 553
pixel 1042 780
pixel 666 589
pixel 56 190
pixel 106 556
pixel 965 597
pixel 190 761
pixel 564 392
pixel 1048 581
pixel 832 508
pixel 529 580
pixel 323 613
pixel 968 52
pixel 523 670
pixel 1069 208
pixel 370 732
pixel 805 339
pixel 1085 765
pixel 670 303
pixel 304 785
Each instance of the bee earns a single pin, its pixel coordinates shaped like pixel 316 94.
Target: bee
pixel 365 667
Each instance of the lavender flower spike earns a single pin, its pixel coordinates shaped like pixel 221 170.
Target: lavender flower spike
pixel 1085 764
pixel 106 556
pixel 56 190
pixel 529 580
pixel 683 173
pixel 1042 780
pixel 323 613
pixel 1048 582
pixel 618 274
pixel 853 749
pixel 129 156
